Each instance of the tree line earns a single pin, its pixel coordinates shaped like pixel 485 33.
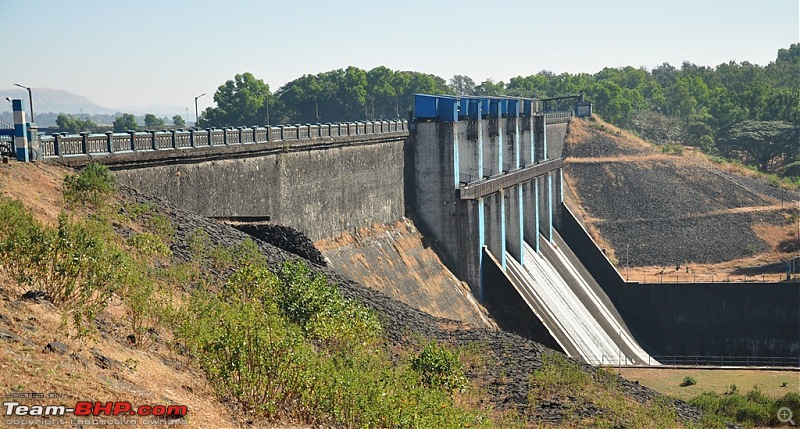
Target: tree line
pixel 121 123
pixel 738 110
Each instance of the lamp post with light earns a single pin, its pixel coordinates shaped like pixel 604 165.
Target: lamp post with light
pixel 30 98
pixel 196 112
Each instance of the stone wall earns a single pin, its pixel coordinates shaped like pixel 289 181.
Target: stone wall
pixel 320 191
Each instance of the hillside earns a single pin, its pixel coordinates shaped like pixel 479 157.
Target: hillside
pixel 656 209
pixel 509 380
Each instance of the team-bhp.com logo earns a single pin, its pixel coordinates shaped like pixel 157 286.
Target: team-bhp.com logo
pixel 27 414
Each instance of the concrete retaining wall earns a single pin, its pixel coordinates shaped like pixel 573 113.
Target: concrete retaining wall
pixel 396 260
pixel 319 191
pixel 689 319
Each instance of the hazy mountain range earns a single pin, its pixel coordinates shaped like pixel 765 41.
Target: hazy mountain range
pixel 59 101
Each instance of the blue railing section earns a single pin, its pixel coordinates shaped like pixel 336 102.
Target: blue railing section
pixel 60 145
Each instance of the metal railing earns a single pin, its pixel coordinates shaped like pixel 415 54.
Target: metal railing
pixel 555 117
pixel 59 145
pixel 697 360
pixel 708 278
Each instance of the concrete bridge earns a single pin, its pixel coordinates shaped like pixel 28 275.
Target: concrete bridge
pixel 481 178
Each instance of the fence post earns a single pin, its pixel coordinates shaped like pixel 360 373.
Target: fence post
pixel 191 137
pixel 110 141
pixel 57 144
pixel 255 134
pixel 133 139
pixel 174 141
pixel 84 143
pixel 153 139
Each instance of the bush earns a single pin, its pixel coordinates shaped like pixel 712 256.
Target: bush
pixel 439 367
pixel 72 263
pixel 688 381
pixel 325 316
pixel 290 344
pixel 91 185
pixel 149 244
pixel 752 408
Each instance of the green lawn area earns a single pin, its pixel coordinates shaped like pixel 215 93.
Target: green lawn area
pixel 668 381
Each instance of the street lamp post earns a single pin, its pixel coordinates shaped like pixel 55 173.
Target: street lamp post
pixel 266 103
pixel 196 112
pixel 30 98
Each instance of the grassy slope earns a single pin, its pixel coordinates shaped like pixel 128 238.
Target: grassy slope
pixel 667 381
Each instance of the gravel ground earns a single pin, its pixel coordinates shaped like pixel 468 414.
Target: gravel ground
pixel 673 212
pixel 670 242
pixel 603 145
pixel 514 358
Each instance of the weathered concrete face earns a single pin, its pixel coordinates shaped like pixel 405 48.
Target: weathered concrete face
pixel 319 192
pixel 469 192
pixel 396 260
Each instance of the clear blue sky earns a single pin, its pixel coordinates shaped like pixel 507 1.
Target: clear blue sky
pixel 123 53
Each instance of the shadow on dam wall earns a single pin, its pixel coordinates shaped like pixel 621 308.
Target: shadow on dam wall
pixel 395 260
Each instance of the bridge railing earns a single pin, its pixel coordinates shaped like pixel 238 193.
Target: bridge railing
pixel 716 361
pixel 60 145
pixel 556 117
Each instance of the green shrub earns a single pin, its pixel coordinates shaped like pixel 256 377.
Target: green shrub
pixel 673 149
pixel 688 381
pixel 309 301
pixel 94 182
pixel 439 367
pixel 73 263
pixel 149 244
pixel 290 344
pixel 751 409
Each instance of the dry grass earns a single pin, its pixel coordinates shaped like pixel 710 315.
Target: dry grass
pixel 36 184
pixel 668 380
pixel 150 374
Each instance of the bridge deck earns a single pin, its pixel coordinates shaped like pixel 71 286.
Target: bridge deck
pixel 482 188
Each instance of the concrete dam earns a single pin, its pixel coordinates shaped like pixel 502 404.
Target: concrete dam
pixel 459 213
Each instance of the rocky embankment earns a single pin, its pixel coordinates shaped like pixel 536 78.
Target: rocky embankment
pixel 660 209
pixel 513 359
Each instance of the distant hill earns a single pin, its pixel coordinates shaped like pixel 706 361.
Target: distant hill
pixel 59 101
pixel 56 101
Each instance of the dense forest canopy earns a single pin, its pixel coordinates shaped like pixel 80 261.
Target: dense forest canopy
pixel 739 110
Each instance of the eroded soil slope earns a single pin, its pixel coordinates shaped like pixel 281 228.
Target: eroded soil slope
pixel 657 211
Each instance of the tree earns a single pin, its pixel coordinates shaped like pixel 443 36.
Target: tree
pixel 490 88
pixel 178 121
pixel 72 125
pixel 241 101
pixel 462 85
pixel 124 123
pixel 151 121
pixel 763 142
